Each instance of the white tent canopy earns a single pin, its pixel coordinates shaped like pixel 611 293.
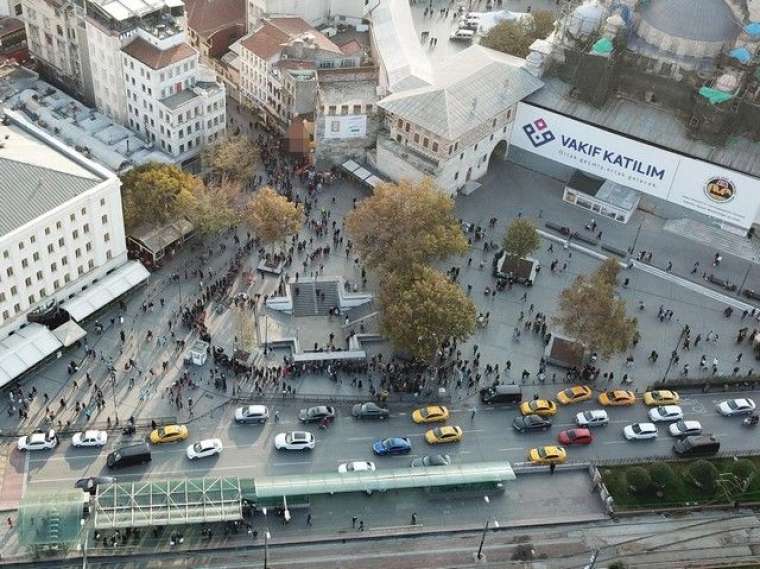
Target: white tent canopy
pixel 24 349
pixel 106 290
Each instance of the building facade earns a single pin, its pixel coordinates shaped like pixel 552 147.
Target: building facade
pixel 61 228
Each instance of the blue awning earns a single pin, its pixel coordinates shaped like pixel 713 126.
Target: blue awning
pixel 741 54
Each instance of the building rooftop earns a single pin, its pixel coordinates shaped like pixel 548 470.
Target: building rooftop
pixel 178 99
pixel 648 123
pixel 270 37
pixel 705 20
pixel 295 27
pixel 155 58
pixel 265 41
pixel 406 64
pixel 38 174
pixel 469 88
pixel 337 92
pixel 69 121
pixel 206 17
pixel 10 25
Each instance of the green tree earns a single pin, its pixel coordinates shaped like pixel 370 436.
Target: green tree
pixel 234 157
pixel 422 308
pixel 638 480
pixel 272 216
pixel 704 474
pixel 662 475
pixel 590 311
pixel 405 224
pixel 743 469
pixel 509 37
pixel 521 239
pixel 542 24
pixel 608 271
pixel 156 193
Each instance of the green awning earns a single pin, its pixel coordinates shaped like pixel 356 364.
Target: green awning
pixel 382 480
pixel 714 95
pixel 603 46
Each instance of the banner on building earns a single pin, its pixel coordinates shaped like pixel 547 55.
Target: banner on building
pixel 712 190
pixel 345 126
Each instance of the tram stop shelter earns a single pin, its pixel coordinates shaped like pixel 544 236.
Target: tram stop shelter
pixel 51 520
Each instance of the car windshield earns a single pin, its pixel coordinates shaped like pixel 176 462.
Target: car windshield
pixel 542 452
pixel 427 412
pixel 637 428
pixel 369 408
pixel 681 426
pixel 198 447
pixel 588 415
pixel 733 404
pixel 161 432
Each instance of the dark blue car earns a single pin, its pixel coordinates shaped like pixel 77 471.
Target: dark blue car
pixel 393 445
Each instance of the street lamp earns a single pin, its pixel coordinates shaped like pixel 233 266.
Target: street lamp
pixel 479 556
pixel 267 537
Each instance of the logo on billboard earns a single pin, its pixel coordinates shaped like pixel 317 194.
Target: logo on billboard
pixel 720 190
pixel 538 132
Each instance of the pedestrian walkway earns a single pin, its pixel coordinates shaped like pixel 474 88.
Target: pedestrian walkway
pixel 715 238
pixel 13 467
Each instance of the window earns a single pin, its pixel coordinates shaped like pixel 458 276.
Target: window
pixel 357 109
pixel 72 217
pixel 9 271
pixel 102 201
pixel 28 281
pixel 75 234
pixel 108 254
pixel 84 211
pixel 20 245
pixel 78 253
pixel 53 267
pixel 24 263
pixel 88 246
pixel 425 142
pixel 58 224
pixel 35 256
pixel 64 261
pixel 86 228
pixel 80 270
pixel 406 127
pixel 14 291
pixel 61 242
pixel 91 264
pixel 456 176
pixel 56 284
pixel 66 278
pixel 32 300
pixel 435 147
pixel 416 138
pixel 16 308
pixel 5 254
pixel 39 275
pixel 344 109
pixel 461 156
pixel 104 219
pixel 32 239
pixel 6 315
pixel 493 124
pixel 369 109
pixel 2 297
pixel 399 123
pixel 43 293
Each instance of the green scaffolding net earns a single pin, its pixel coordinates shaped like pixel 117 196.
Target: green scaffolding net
pixel 51 518
pixel 602 46
pixel 714 95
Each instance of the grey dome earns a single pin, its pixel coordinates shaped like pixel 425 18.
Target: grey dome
pixel 701 20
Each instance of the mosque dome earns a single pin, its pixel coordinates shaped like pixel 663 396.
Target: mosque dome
pixel 727 83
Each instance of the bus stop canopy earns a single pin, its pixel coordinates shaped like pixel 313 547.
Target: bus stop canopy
pixel 168 502
pixel 382 480
pixel 51 518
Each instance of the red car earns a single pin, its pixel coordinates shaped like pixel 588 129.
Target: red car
pixel 575 437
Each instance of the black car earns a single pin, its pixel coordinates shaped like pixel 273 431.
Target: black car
pixel 431 460
pixel 316 414
pixel 531 423
pixel 369 410
pixel 91 484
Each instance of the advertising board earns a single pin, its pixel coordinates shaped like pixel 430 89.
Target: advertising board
pixel 345 126
pixel 710 189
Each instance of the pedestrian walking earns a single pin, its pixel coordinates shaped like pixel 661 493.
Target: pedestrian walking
pixel 361 525
pixel 414 518
pixel 353 521
pixel 473 413
pixel 10 522
pixel 308 520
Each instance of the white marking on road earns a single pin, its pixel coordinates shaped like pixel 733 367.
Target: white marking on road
pixel 465 452
pixel 362 439
pixel 278 464
pixel 513 448
pixel 27 458
pixel 616 442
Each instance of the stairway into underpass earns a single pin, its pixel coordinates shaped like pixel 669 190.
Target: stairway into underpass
pixel 304 299
pixel 331 297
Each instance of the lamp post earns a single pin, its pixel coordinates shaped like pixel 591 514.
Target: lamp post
pixel 480 556
pixel 267 537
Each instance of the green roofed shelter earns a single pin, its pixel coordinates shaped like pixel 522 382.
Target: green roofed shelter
pixel 51 518
pixel 168 502
pixel 299 485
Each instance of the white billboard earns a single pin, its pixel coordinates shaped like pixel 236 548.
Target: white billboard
pixel 718 192
pixel 345 126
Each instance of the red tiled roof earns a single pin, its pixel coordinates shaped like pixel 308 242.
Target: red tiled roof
pixel 351 47
pixel 155 58
pixel 295 26
pixel 265 41
pixel 205 17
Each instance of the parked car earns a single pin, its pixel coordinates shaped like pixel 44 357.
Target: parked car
pixel 617 398
pixel 90 439
pixel 665 413
pixel 547 455
pixel 91 484
pixel 358 466
pixel 445 434
pixel 542 407
pixel 430 414
pixel 592 418
pixel 169 434
pixel 369 410
pixel 252 414
pixel 685 428
pixel 462 34
pixel 575 437
pixel 735 407
pixel 431 460
pixel 295 440
pixel 661 397
pixel 640 431
pixel 574 394
pixel 204 449
pixel 697 445
pixel 39 440
pixel 129 456
pixel 316 414
pixel 392 446
pixel 526 423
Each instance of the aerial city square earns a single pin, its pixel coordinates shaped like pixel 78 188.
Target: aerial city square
pixel 379 284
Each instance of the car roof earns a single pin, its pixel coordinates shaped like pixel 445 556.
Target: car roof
pixel 397 440
pixel 91 434
pixel 597 412
pixel 256 409
pixel 172 428
pixel 670 408
pixel 647 426
pixel 692 424
pixel 300 435
pixel 34 437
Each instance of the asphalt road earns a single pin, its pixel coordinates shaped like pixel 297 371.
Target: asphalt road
pixel 248 449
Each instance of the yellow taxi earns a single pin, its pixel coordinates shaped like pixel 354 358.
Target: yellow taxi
pixel 617 398
pixel 430 414
pixel 547 455
pixel 445 434
pixel 169 434
pixel 661 397
pixel 574 394
pixel 542 407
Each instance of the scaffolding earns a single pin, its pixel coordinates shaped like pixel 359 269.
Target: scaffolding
pixel 168 502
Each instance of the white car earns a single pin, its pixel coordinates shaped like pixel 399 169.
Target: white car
pixel 204 449
pixel 39 441
pixel 358 466
pixel 592 418
pixel 90 439
pixel 295 440
pixel 665 413
pixel 733 407
pixel 640 431
pixel 685 428
pixel 252 414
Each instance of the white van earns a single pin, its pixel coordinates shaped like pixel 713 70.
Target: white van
pixel 462 35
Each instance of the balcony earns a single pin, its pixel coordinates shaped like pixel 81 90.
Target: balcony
pixel 419 160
